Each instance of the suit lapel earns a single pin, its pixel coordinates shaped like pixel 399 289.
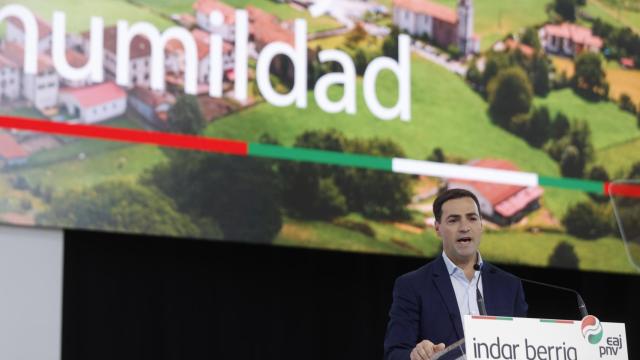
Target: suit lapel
pixel 443 284
pixel 489 288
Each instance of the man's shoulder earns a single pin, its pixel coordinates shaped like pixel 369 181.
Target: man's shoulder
pixel 421 273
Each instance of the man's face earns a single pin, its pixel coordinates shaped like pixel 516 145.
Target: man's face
pixel 460 228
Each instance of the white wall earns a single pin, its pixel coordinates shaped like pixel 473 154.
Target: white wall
pixel 30 293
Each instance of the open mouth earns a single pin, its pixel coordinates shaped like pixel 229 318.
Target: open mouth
pixel 464 240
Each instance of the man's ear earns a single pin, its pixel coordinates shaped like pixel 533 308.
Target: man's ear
pixel 436 224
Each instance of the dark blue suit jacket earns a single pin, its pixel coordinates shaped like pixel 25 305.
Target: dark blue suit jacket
pixel 425 307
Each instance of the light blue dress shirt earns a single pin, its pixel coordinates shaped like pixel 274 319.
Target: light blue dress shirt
pixel 464 288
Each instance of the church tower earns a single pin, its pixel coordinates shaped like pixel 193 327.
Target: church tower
pixel 465 26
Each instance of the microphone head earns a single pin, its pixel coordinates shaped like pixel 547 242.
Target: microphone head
pixel 476 267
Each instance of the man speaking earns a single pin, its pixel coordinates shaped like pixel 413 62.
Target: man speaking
pixel 429 303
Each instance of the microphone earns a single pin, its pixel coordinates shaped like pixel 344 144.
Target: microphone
pixel 479 298
pixel 581 305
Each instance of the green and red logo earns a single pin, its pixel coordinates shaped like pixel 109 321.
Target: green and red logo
pixel 591 329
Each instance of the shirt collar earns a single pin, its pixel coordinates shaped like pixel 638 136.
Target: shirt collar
pixel 452 268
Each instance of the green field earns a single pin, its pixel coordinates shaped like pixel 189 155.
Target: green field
pixel 122 163
pixel 283 11
pixel 446 114
pixel 79 12
pixel 609 125
pixel 605 254
pixel 617 159
pixel 322 235
pixel 611 12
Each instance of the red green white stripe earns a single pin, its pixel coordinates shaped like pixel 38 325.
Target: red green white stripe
pixel 241 148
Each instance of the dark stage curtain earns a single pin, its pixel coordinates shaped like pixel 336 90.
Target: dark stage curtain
pixel 138 297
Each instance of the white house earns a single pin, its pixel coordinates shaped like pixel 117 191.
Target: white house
pixel 175 59
pixel 9 80
pixel 568 39
pixel 15 33
pixel 40 88
pixel 204 7
pixel 139 56
pixel 95 103
pixel 443 25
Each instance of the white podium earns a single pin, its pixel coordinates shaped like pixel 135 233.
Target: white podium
pixel 509 338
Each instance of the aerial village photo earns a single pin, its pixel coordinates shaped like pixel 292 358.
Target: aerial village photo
pixel 546 87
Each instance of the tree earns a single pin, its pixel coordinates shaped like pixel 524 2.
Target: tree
pixel 589 79
pixel 626 104
pixel 390 44
pixel 566 9
pixel 530 38
pixel 571 163
pixel 539 126
pixel 540 75
pixel 119 206
pixel 560 126
pixel 375 194
pixel 355 36
pixel 564 256
pixel 185 116
pixel 598 173
pixel 587 220
pixel 305 184
pixel 240 194
pixel 437 155
pixel 510 93
pixel 360 61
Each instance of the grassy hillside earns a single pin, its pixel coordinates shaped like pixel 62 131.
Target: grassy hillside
pixel 446 114
pixel 617 159
pixel 605 254
pixel 79 12
pixel 615 13
pixel 609 125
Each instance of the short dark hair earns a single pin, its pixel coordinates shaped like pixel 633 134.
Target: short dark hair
pixel 450 195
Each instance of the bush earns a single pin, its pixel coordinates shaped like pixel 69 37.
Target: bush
pixel 587 220
pixel 626 104
pixel 510 93
pixel 564 256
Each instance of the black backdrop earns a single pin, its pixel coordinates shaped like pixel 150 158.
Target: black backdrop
pixel 138 297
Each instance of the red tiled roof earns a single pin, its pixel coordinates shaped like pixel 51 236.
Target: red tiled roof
pixel 139 46
pixel 207 6
pixel 519 201
pixel 577 34
pixel 9 148
pixel 494 193
pixel 202 44
pixel 6 62
pixel 93 95
pixel 15 53
pixel 260 16
pixel 627 62
pixel 434 10
pixel 44 29
pixel 525 49
pixel 75 58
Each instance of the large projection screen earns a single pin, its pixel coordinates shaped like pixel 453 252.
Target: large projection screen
pixel 326 124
